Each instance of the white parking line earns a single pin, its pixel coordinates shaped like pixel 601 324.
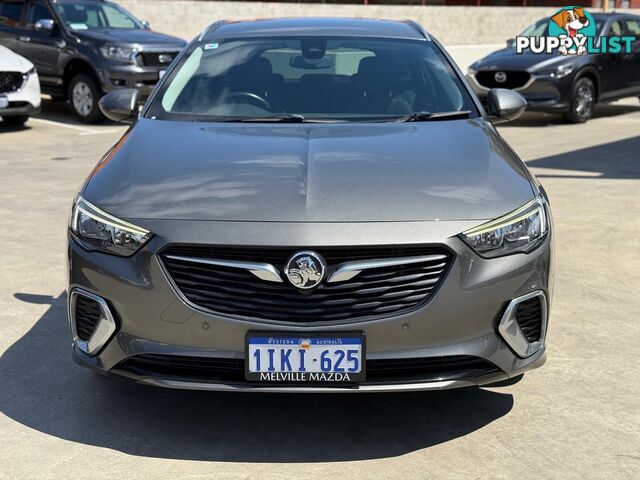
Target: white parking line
pixel 81 130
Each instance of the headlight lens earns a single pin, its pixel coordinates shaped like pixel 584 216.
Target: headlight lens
pixel 560 72
pixel 96 230
pixel 517 232
pixel 121 54
pixel 26 75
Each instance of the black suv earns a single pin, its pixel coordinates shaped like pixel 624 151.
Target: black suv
pixel 570 84
pixel 83 49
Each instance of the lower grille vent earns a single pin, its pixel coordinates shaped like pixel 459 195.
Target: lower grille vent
pixel 87 315
pixel 395 370
pixel 529 318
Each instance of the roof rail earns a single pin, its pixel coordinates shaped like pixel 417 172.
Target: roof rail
pixel 418 28
pixel 212 27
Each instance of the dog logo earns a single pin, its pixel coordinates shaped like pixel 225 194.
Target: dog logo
pixel 572 31
pixel 572 21
pixel 305 269
pixel 500 77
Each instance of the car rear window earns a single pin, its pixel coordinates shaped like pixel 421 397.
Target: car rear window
pixel 331 78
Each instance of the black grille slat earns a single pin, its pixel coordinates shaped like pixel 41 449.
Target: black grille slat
pixel 280 255
pixel 233 291
pixel 382 370
pixel 152 59
pixel 87 314
pixel 515 79
pixel 10 81
pixel 529 318
pixel 286 303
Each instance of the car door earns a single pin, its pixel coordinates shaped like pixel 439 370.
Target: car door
pixel 612 65
pixel 42 48
pixel 10 23
pixel 632 25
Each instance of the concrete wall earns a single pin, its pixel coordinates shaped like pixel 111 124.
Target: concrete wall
pixel 451 25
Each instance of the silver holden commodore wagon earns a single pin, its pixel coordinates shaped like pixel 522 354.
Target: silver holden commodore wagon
pixel 311 205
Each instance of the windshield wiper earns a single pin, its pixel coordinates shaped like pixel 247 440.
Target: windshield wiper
pixel 287 118
pixel 428 116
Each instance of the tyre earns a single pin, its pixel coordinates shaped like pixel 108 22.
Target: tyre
pixel 15 121
pixel 583 99
pixel 84 94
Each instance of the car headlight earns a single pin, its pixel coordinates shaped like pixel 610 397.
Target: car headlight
pixel 517 232
pixel 120 54
pixel 560 72
pixel 96 230
pixel 26 75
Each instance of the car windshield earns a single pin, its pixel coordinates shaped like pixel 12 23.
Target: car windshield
pixel 537 30
pixel 339 79
pixel 95 15
pixel 540 28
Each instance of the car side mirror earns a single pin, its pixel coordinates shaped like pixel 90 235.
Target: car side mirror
pixel 45 25
pixel 505 105
pixel 145 24
pixel 121 105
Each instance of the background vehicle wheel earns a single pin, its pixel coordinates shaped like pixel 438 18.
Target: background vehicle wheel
pixel 15 121
pixel 84 94
pixel 583 99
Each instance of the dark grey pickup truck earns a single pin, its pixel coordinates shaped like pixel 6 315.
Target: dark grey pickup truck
pixel 85 48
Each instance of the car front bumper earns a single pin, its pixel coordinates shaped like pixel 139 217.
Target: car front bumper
pixel 461 319
pixel 143 79
pixel 115 75
pixel 543 94
pixel 24 101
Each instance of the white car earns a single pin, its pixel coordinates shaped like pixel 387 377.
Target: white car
pixel 19 88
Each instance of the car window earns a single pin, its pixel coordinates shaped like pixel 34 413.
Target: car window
pixel 615 29
pixel 95 15
pixel 633 26
pixel 343 62
pixel 117 18
pixel 10 13
pixel 537 30
pixel 330 78
pixel 38 11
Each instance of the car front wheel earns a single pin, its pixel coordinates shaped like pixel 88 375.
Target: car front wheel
pixel 84 95
pixel 583 99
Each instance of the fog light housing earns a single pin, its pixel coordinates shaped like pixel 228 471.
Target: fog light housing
pixel 511 331
pixel 97 324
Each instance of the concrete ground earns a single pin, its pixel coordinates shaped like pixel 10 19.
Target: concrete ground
pixel 577 417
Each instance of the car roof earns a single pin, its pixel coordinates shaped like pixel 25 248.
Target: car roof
pixel 315 26
pixel 599 16
pixel 605 16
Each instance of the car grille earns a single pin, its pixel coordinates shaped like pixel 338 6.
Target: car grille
pixel 156 59
pixel 514 79
pixel 372 293
pixel 10 81
pixel 87 315
pixel 377 371
pixel 529 318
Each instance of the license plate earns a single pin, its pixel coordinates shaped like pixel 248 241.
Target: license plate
pixel 299 358
pixel 4 101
